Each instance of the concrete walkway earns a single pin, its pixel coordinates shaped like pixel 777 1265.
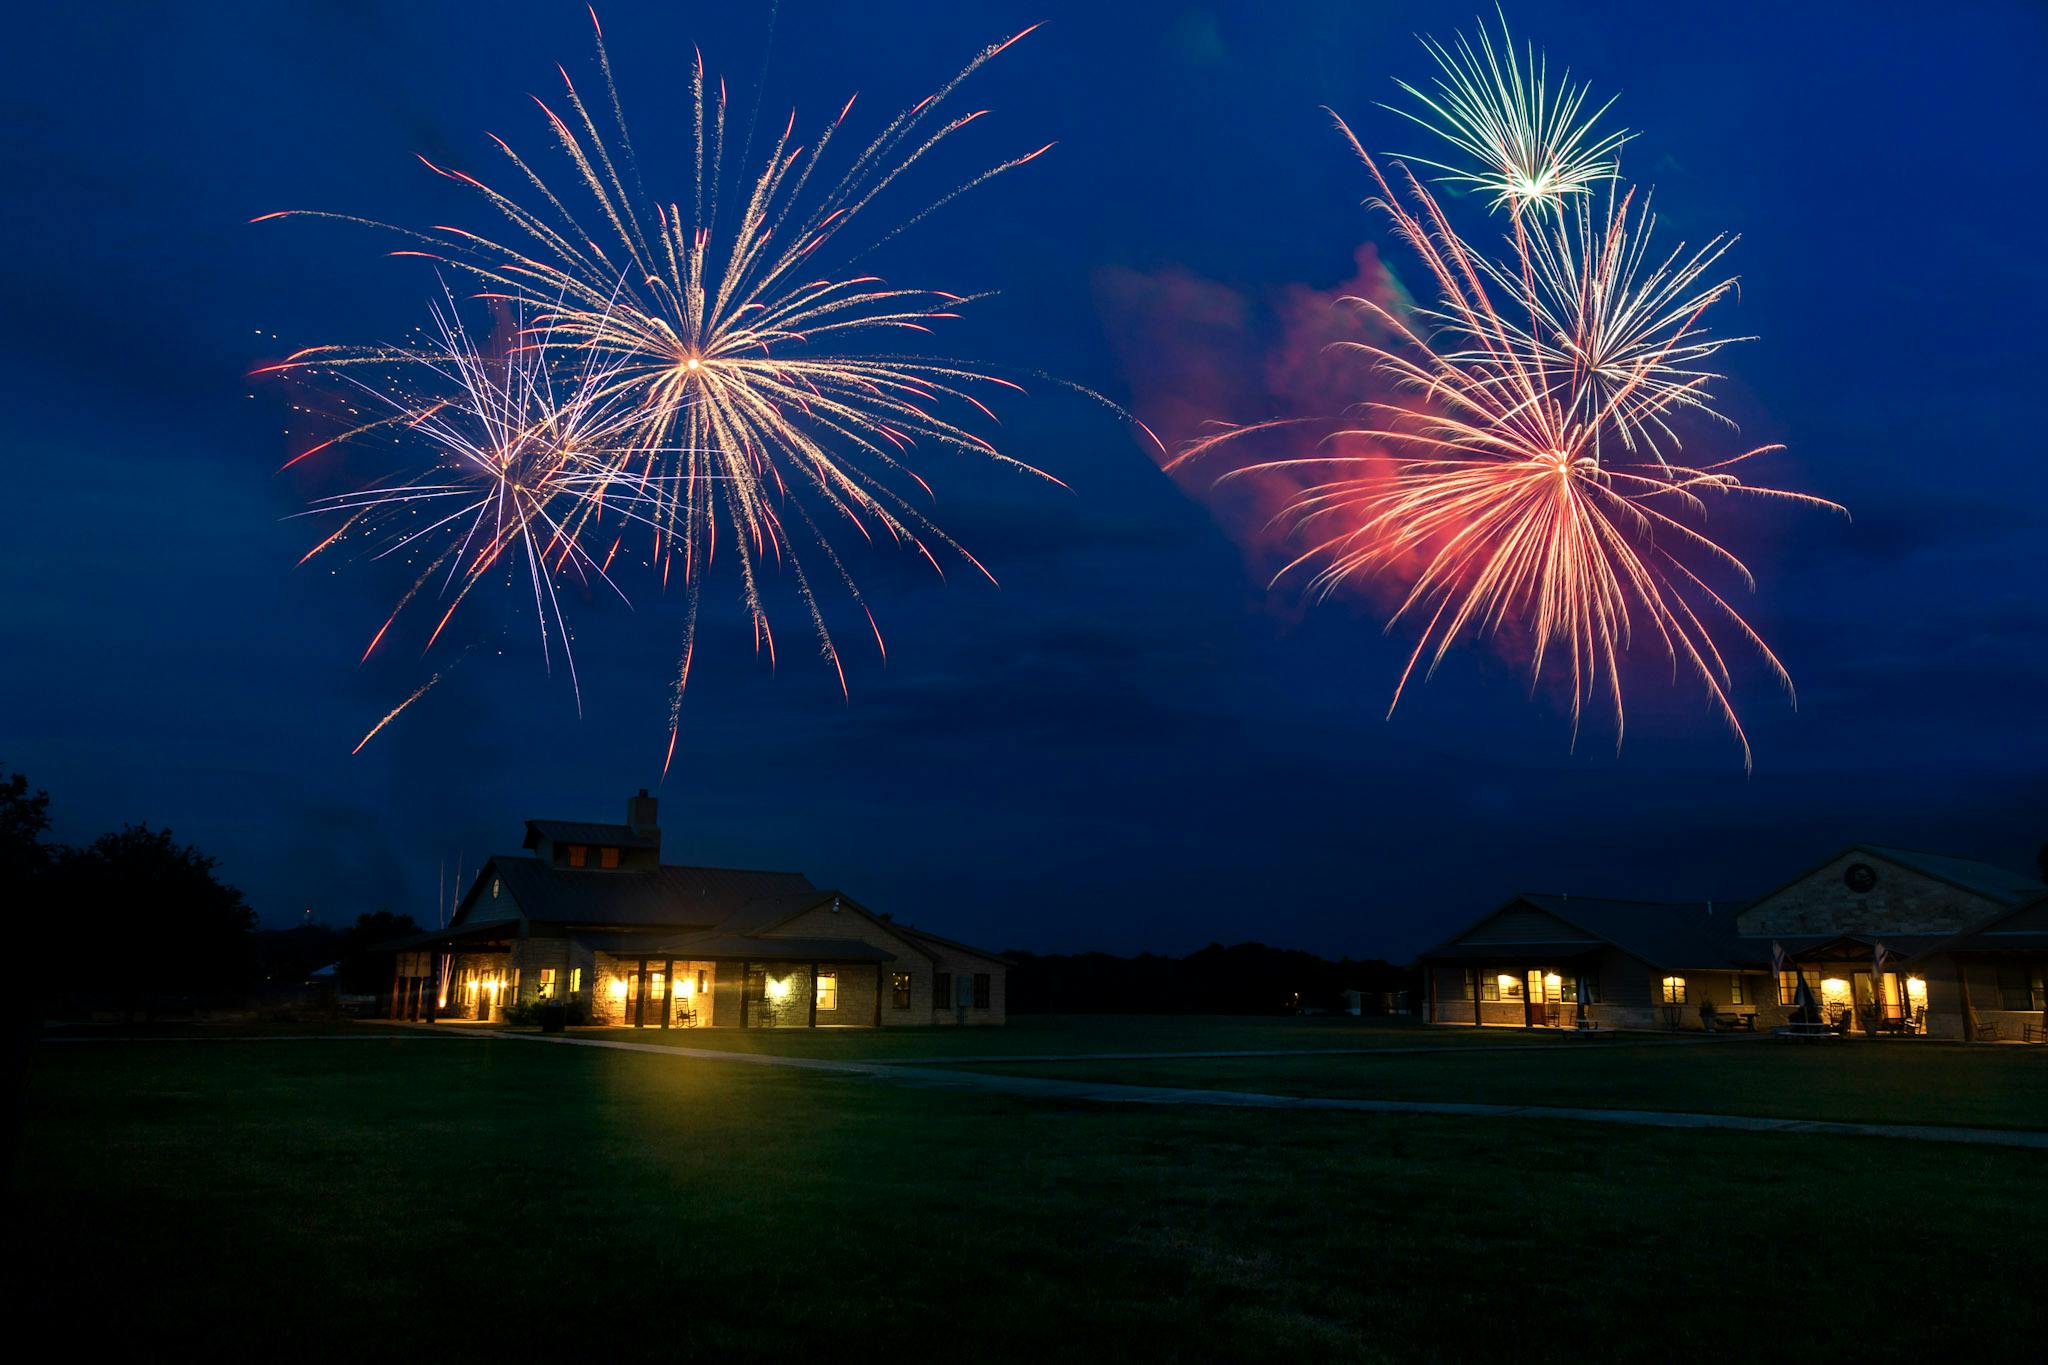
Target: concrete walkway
pixel 1092 1092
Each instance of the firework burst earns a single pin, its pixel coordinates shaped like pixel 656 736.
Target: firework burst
pixel 1529 143
pixel 1483 488
pixel 720 329
pixel 521 464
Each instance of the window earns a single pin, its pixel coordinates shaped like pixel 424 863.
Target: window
pixel 942 990
pixel 1489 987
pixel 575 981
pixel 2018 988
pixel 1465 985
pixel 982 986
pixel 547 983
pixel 902 985
pixel 1674 990
pixel 1788 988
pixel 579 854
pixel 496 887
pixel 1737 994
pixel 1502 986
pixel 828 990
pixel 608 857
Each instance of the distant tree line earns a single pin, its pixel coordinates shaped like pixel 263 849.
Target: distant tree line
pixel 1245 978
pixel 138 924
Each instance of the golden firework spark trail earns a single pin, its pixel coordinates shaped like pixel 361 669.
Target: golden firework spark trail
pixel 711 317
pixel 1529 144
pixel 1484 490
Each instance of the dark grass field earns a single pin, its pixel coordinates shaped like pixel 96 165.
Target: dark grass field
pixel 1914 1082
pixel 453 1198
pixel 1083 1034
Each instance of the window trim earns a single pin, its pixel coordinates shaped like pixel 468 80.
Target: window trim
pixel 576 855
pixel 608 857
pixel 825 991
pixel 1671 990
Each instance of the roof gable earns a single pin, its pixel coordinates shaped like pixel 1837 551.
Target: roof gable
pixel 1663 934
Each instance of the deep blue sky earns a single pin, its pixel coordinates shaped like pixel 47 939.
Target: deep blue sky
pixel 1130 744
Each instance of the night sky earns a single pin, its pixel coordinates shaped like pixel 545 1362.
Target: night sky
pixel 1130 744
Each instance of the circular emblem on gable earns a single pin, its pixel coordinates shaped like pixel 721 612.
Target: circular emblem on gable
pixel 1859 876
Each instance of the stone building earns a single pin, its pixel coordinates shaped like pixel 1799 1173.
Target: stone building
pixel 591 916
pixel 1870 941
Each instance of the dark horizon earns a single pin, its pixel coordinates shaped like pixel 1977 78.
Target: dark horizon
pixel 1130 744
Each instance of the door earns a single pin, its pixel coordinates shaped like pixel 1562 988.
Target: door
pixel 1538 1009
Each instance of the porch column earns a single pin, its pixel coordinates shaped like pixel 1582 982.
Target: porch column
pixel 397 984
pixel 878 995
pixel 1473 973
pixel 668 989
pixel 1963 994
pixel 1529 996
pixel 1429 981
pixel 433 988
pixel 746 976
pixel 814 995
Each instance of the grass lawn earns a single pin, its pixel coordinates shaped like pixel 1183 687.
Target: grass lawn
pixel 451 1200
pixel 1080 1034
pixel 1876 1082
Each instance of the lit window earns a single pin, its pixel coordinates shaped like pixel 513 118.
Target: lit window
pixel 547 983
pixel 1506 986
pixel 579 854
pixel 902 985
pixel 828 990
pixel 608 857
pixel 575 981
pixel 1788 988
pixel 1735 990
pixel 1674 990
pixel 496 887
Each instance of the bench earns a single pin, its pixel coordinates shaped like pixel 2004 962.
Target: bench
pixel 1812 1031
pixel 1722 1019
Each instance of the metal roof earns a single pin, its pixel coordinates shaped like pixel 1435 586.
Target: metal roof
pixel 663 897
pixel 1663 933
pixel 1998 883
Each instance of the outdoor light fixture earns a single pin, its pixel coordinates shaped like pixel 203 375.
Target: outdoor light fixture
pixel 618 988
pixel 778 987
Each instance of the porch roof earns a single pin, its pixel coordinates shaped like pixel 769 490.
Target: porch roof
pixel 468 935
pixel 772 948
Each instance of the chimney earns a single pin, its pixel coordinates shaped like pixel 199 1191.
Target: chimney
pixel 641 811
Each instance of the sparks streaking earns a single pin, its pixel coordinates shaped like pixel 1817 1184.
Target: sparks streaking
pixel 717 326
pixel 520 462
pixel 1529 144
pixel 1481 487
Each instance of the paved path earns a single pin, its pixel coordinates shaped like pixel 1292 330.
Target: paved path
pixel 1043 1088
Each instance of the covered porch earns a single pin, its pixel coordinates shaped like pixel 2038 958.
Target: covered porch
pixel 1857 986
pixel 1560 989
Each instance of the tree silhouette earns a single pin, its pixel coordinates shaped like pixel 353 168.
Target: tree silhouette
pixel 154 923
